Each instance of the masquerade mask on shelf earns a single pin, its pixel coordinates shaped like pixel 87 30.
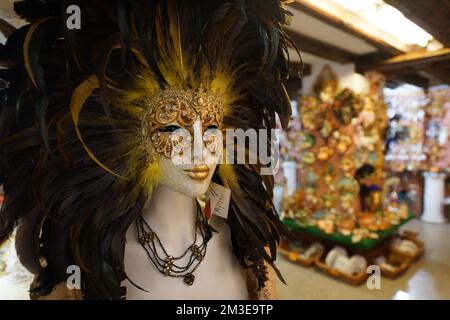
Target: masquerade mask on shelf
pixel 328 179
pixel 343 106
pixel 308 158
pixel 311 179
pixel 324 153
pixel 326 129
pixel 343 144
pixel 326 226
pixel 371 198
pixel 310 196
pixel 347 164
pixel 328 174
pixel 307 141
pixel 372 158
pixel 310 113
pixel 348 185
pixel 329 200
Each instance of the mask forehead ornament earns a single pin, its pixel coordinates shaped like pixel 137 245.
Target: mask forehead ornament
pixel 181 107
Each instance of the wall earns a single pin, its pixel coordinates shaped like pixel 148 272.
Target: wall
pixel 346 73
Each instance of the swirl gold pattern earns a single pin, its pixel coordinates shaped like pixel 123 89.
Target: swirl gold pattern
pixel 176 105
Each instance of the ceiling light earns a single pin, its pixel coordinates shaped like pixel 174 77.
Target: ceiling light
pixel 379 19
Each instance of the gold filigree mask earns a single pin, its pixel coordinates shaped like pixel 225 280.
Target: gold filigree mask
pixel 176 107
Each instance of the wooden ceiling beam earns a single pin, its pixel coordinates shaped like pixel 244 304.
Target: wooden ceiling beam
pixel 442 75
pixel 414 79
pixel 417 60
pixel 6 29
pixel 439 65
pixel 340 24
pixel 319 48
pixel 400 72
pixel 299 70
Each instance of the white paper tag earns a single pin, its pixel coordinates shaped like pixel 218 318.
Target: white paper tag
pixel 219 198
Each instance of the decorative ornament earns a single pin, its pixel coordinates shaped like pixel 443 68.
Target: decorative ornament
pixel 183 107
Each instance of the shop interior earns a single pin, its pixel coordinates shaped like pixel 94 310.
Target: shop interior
pixel 364 177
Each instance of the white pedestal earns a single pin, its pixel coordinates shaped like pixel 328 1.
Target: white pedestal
pixel 290 174
pixel 434 195
pixel 278 197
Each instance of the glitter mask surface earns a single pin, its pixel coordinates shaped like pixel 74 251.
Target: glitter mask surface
pixel 181 107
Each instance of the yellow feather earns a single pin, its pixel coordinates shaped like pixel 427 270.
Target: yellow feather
pixel 175 35
pixel 79 97
pixel 151 175
pixel 227 174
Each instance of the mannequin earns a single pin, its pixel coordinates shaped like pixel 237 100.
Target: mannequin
pixel 171 212
pixel 173 226
pixel 110 134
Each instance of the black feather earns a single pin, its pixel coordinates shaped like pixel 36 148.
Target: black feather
pixel 70 210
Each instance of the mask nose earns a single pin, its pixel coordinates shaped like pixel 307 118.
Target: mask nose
pixel 198 142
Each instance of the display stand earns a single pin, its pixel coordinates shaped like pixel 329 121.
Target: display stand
pixel 290 174
pixel 344 202
pixel 278 192
pixel 434 196
pixel 395 264
pixel 339 239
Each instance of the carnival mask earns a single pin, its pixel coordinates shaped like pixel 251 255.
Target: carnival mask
pixel 181 129
pixel 347 164
pixel 326 129
pixel 308 158
pixel 307 141
pixel 324 153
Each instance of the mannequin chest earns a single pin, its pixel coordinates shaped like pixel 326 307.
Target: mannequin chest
pixel 219 275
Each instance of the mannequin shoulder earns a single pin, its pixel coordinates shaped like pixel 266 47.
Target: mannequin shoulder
pixel 269 292
pixel 59 292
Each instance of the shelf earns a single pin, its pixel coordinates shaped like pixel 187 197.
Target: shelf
pixel 338 238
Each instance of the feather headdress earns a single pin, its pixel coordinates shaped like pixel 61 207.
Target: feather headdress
pixel 74 175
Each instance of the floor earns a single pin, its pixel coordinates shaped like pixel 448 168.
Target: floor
pixel 428 278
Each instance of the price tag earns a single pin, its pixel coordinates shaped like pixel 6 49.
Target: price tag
pixel 219 200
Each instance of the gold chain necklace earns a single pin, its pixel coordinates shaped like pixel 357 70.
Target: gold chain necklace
pixel 167 264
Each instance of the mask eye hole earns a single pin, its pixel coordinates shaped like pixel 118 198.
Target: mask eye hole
pixel 169 129
pixel 212 127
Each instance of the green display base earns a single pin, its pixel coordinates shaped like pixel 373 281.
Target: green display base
pixel 338 238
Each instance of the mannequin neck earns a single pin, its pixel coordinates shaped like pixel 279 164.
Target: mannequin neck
pixel 172 215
